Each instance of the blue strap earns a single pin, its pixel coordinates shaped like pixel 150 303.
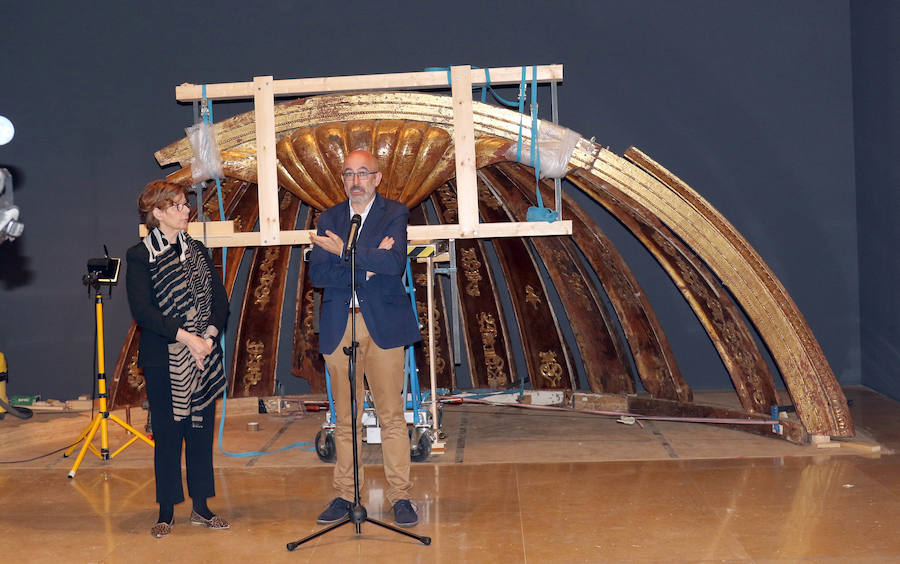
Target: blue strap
pixel 535 160
pixel 539 212
pixel 523 87
pixel 520 103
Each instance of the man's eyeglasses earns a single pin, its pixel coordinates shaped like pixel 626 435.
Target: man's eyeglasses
pixel 361 174
pixel 182 206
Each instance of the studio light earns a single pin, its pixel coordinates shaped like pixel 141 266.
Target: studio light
pixel 7 131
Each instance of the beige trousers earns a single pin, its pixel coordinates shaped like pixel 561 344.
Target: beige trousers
pixel 383 370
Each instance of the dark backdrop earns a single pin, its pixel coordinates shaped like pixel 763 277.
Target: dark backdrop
pixel 750 102
pixel 876 110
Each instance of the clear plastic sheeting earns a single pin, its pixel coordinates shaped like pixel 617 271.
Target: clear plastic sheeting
pixel 206 163
pixel 555 146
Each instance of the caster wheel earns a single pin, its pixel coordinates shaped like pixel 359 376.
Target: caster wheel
pixel 422 449
pixel 325 446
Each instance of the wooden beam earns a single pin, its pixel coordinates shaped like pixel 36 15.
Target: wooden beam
pixel 490 230
pixel 242 239
pixel 500 76
pixel 859 446
pixel 266 166
pixel 464 147
pixel 199 229
pixel 414 232
pixel 263 91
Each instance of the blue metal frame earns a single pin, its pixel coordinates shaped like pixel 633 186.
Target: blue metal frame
pixel 410 375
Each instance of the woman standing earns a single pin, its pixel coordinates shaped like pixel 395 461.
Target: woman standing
pixel 178 301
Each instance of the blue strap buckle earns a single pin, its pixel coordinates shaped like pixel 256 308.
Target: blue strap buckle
pixel 541 214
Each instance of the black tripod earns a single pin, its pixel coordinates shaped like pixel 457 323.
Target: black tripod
pixel 357 513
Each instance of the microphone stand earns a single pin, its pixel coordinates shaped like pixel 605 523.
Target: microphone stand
pixel 357 513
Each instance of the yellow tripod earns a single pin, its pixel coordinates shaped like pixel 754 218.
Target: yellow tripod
pixel 100 421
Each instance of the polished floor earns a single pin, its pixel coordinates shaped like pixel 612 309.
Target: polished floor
pixel 492 497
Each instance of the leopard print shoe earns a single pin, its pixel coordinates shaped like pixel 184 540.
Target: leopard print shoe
pixel 161 530
pixel 214 522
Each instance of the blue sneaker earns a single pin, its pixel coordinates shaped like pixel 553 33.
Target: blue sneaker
pixel 404 514
pixel 338 509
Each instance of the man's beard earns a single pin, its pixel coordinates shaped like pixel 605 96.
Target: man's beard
pixel 362 197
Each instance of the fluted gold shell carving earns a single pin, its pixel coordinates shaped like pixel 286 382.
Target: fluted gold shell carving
pixel 407 130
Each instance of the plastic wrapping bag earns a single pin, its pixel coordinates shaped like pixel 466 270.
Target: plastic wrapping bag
pixel 206 163
pixel 555 147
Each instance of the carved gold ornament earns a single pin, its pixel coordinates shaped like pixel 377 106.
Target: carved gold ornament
pixel 487 327
pixel 266 278
pixel 531 297
pixel 551 370
pixel 253 368
pixel 471 265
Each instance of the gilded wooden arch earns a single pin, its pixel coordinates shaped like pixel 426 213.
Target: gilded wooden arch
pixel 675 223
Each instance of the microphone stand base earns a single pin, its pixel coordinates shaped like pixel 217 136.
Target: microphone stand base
pixel 357 516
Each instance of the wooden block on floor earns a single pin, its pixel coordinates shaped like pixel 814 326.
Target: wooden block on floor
pixel 596 402
pixel 860 446
pixel 819 439
pixel 47 405
pixel 80 405
pixel 828 445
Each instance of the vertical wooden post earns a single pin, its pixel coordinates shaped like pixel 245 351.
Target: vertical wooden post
pixel 464 144
pixel 266 169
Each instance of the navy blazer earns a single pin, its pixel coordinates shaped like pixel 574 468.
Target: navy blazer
pixel 385 306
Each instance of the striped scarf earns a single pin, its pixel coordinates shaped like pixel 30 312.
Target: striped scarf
pixel 182 283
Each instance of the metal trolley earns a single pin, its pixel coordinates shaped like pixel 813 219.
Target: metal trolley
pixel 418 419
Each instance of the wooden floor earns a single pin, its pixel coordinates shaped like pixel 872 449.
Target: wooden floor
pixel 512 486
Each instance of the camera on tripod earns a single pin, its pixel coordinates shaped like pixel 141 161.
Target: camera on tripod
pixel 102 271
pixel 10 227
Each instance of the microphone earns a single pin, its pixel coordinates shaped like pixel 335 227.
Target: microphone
pixel 350 243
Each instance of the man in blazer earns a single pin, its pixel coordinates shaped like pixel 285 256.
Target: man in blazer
pixel 385 323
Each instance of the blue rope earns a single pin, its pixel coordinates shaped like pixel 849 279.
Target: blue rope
pixel 498 97
pixel 303 444
pixel 535 161
pixel 539 212
pixel 208 118
pixel 485 88
pixel 481 394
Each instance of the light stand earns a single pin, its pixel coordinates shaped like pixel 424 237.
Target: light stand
pixel 101 272
pixel 357 513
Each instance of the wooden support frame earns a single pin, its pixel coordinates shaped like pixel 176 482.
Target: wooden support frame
pixel 500 76
pixel 264 89
pixel 464 145
pixel 266 160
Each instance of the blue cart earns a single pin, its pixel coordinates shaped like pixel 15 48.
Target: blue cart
pixel 418 419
